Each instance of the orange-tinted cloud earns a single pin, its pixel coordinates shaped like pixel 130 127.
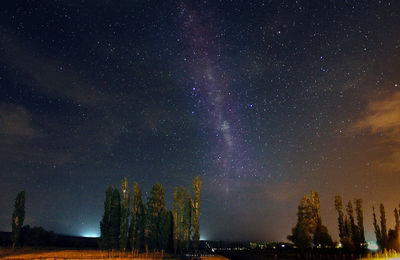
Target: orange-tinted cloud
pixel 382 121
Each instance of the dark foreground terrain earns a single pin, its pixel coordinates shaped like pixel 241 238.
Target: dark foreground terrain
pixel 281 254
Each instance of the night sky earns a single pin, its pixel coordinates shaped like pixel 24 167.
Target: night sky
pixel 264 100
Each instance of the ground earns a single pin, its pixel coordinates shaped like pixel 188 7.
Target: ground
pixel 58 253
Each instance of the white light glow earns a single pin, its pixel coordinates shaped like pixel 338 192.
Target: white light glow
pixel 90 234
pixel 372 246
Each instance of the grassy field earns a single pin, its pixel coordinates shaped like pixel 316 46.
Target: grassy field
pixel 55 253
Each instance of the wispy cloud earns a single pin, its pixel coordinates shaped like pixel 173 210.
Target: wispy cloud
pixel 53 77
pixel 16 121
pixel 382 120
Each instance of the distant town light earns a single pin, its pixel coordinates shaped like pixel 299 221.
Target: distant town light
pixel 372 246
pixel 90 234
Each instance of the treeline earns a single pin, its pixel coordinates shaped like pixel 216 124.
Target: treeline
pixel 309 232
pixel 129 222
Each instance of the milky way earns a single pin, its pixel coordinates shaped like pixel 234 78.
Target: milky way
pixel 211 95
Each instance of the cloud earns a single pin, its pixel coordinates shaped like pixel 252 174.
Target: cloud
pixel 53 77
pixel 382 121
pixel 16 121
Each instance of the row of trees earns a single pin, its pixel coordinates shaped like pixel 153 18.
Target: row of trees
pixel 387 239
pixel 351 234
pixel 129 222
pixel 309 231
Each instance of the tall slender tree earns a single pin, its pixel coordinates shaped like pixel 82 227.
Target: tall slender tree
pixel 383 226
pixel 353 230
pixel 181 218
pixel 18 217
pixel 115 219
pixel 187 220
pixel 175 220
pixel 157 215
pixel 105 224
pixel 360 223
pixel 137 228
pixel 377 229
pixel 339 209
pixel 196 212
pixel 397 220
pixel 124 223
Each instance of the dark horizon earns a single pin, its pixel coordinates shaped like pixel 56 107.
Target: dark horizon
pixel 264 100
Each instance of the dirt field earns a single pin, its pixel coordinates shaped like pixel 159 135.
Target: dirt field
pixel 64 254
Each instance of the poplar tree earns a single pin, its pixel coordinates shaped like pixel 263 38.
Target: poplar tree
pixel 181 218
pixel 383 226
pixel 137 228
pixel 360 222
pixel 196 212
pixel 378 233
pixel 353 230
pixel 187 220
pixel 157 217
pixel 124 222
pixel 18 216
pixel 115 218
pixel 105 223
pixel 175 220
pixel 396 219
pixel 339 209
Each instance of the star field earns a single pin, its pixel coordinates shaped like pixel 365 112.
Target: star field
pixel 264 100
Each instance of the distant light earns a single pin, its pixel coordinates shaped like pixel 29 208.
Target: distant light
pixel 90 234
pixel 372 246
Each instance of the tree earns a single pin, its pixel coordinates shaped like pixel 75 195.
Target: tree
pixel 124 222
pixel 322 237
pixel 301 233
pixel 397 220
pixel 137 229
pixel 352 229
pixel 309 228
pixel 384 233
pixel 378 233
pixel 196 212
pixel 175 220
pixel 18 216
pixel 339 209
pixel 115 219
pixel 105 223
pixel 157 218
pixel 187 220
pixel 181 218
pixel 360 223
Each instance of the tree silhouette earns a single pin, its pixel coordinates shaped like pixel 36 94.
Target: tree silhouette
pixel 115 219
pixel 18 216
pixel 138 222
pixel 124 222
pixel 105 224
pixel 196 212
